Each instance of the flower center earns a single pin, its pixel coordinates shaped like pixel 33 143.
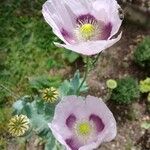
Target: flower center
pixel 84 129
pixel 87 31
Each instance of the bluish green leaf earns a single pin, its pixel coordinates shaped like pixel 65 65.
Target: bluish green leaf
pixel 70 87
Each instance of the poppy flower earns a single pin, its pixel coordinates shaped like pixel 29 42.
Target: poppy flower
pixel 85 26
pixel 83 123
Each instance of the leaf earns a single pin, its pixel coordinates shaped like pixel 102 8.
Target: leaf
pixel 40 119
pixel 70 87
pixel 18 106
pixel 40 106
pixel 22 106
pixel 44 82
pixel 75 82
pixel 65 88
pixel 49 109
pixel 145 125
pixel 70 56
pixel 40 124
pixel 52 144
pixel 39 113
pixel 27 110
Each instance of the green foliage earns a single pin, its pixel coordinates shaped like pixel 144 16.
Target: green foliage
pixel 42 82
pixel 40 114
pixel 111 84
pixel 70 87
pixel 26 46
pixel 142 53
pixel 3 95
pixel 5 114
pixel 52 144
pixel 71 57
pixel 126 92
pixel 145 85
pixel 145 125
pixel 36 111
pixel 26 51
pixel 3 144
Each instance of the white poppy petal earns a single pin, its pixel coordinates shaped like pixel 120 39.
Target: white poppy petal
pixel 114 17
pixel 103 111
pixel 91 47
pixel 58 136
pixel 107 11
pixel 78 7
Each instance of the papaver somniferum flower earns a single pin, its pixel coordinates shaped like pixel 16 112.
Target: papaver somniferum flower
pixel 83 124
pixel 85 26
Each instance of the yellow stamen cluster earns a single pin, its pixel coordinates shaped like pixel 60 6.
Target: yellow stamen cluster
pixel 87 31
pixel 18 125
pixel 84 129
pixel 50 95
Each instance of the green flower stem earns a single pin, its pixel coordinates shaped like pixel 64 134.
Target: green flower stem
pixel 85 74
pixel 108 95
pixel 96 59
pixel 88 67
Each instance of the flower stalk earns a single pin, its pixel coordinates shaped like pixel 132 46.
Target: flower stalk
pixel 85 75
pixel 88 67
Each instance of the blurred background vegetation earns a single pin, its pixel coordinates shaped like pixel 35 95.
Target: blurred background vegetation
pixel 26 51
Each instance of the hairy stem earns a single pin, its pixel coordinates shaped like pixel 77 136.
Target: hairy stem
pixel 85 75
pixel 96 59
pixel 87 69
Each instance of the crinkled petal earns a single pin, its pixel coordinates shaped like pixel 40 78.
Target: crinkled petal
pixel 90 47
pixel 78 7
pixel 57 8
pixel 62 15
pixel 97 106
pixel 53 21
pixel 100 10
pixel 54 12
pixel 115 18
pixel 73 143
pixel 68 106
pixel 58 136
pixel 76 108
pixel 105 114
pixel 107 11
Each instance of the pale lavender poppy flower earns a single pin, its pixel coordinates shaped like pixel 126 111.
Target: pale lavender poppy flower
pixel 85 26
pixel 83 124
